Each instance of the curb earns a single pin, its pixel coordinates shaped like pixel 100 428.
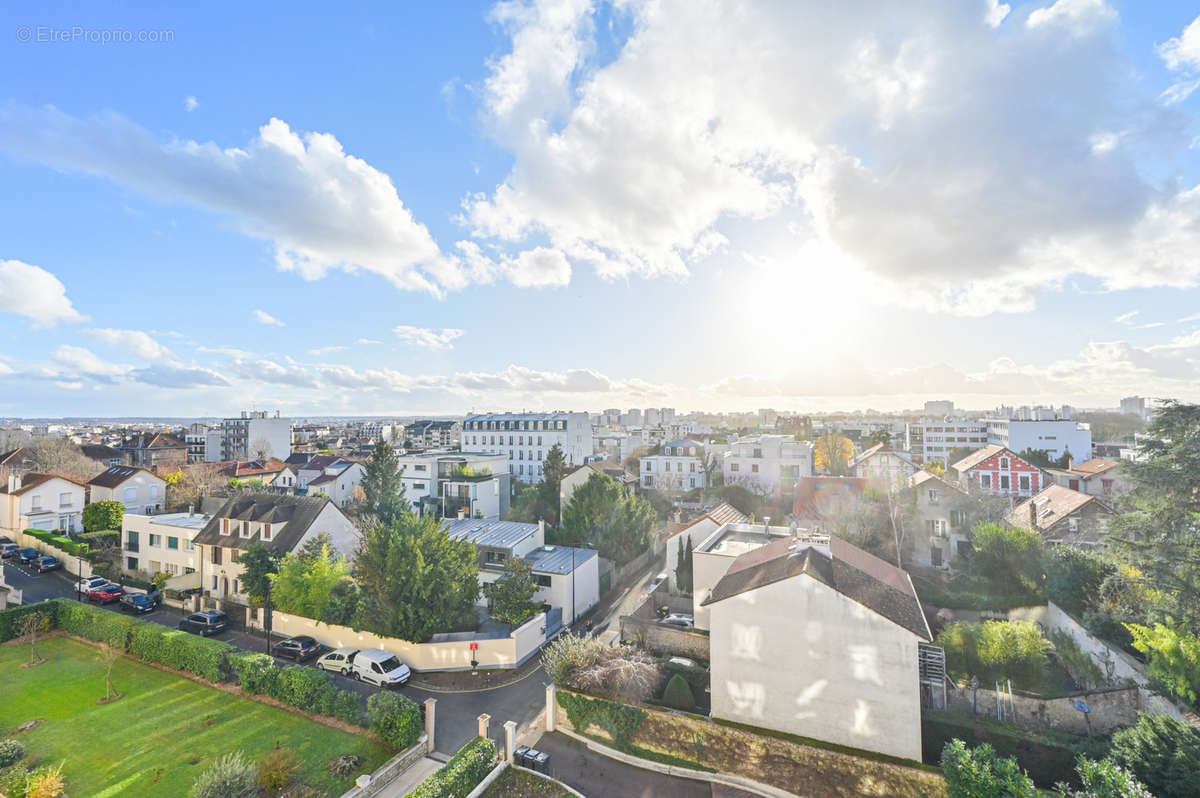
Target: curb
pixel 447 691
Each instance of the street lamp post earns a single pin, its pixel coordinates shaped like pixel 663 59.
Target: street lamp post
pixel 78 578
pixel 267 616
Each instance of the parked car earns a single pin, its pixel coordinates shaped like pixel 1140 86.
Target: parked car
pixel 8 550
pixel 298 648
pixel 379 667
pixel 90 582
pixel 679 619
pixel 658 580
pixel 106 594
pixel 137 603
pixel 205 623
pixel 5 539
pixel 47 563
pixel 372 665
pixel 27 556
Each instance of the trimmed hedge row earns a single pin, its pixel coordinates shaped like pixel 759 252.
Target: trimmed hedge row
pixel 621 721
pixel 395 718
pixel 310 689
pixel 10 619
pixel 462 773
pixel 58 541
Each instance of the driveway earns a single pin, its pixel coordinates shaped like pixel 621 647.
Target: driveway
pixel 457 711
pixel 597 776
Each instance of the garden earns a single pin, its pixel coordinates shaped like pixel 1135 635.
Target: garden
pixel 162 733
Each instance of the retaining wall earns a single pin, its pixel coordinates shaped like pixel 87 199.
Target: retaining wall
pixel 1111 709
pixel 662 639
pixel 390 770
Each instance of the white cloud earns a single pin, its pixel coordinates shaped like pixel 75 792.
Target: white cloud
pixel 169 376
pixel 428 338
pixel 36 294
pixel 190 103
pixel 1126 318
pixel 931 149
pixel 368 341
pixel 271 372
pixel 322 208
pixel 262 317
pixel 135 342
pixel 1182 54
pixel 326 350
pixel 84 361
pixel 541 267
pixel 997 12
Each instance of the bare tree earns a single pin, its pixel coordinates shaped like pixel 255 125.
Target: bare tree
pixel 261 449
pixel 108 657
pixel 60 456
pixel 198 480
pixel 31 626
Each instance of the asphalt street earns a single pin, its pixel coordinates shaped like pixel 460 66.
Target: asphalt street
pixel 457 711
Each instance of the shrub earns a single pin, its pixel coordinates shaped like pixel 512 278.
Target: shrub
pixel 60 542
pixel 46 782
pixel 197 655
pixel 148 642
pixel 276 771
pixel 343 705
pixel 1163 752
pixel 231 776
pixel 1172 658
pixel 1008 557
pixel 256 673
pixel 106 514
pixel 462 773
pixel 619 720
pixel 1104 779
pixel 302 686
pixel 979 773
pixel 568 654
pixel 995 649
pixel 95 624
pixel 10 619
pixel 678 694
pixel 11 751
pixel 394 718
pixel 15 781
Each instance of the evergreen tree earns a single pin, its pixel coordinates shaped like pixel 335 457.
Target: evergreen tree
pixel 512 593
pixel 554 468
pixel 415 580
pixel 602 514
pixel 258 563
pixel 382 486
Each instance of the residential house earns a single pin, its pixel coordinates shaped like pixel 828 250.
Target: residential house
pixel 884 467
pixel 274 474
pixel 339 482
pixel 568 578
pixel 526 438
pixel 571 482
pixel 1094 477
pixel 1064 516
pixel 140 490
pixel 314 466
pixel 824 502
pixel 696 532
pixel 769 465
pixel 678 467
pixel 942 509
pixel 17 461
pixel 152 544
pixel 104 456
pixel 811 636
pixel 997 470
pixel 157 451
pixel 442 483
pixel 280 522
pixel 42 501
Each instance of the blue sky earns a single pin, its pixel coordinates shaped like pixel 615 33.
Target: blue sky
pixel 571 205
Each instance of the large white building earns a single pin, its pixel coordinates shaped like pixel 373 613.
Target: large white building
pixel 242 437
pixel 442 483
pixel 930 440
pixel 526 439
pixel 767 464
pixel 1056 436
pixel 679 467
pixel 153 544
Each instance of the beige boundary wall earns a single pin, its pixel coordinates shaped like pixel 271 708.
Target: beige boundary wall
pixel 505 652
pixel 70 563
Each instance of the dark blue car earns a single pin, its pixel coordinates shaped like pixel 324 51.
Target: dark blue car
pixel 47 563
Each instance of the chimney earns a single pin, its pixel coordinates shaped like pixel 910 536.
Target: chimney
pixel 191 510
pixel 462 513
pixel 1033 515
pixel 13 482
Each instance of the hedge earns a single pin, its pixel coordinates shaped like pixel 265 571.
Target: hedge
pixel 300 686
pixel 462 773
pixel 58 541
pixel 621 721
pixel 10 620
pixel 395 718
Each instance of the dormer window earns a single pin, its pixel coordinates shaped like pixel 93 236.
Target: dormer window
pixel 245 529
pixel 1004 465
pixel 266 531
pixel 225 526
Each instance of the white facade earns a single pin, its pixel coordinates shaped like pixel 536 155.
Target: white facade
pixel 526 439
pixel 1055 436
pixel 338 482
pixel 574 591
pixel 154 544
pixel 140 490
pixel 240 437
pixel 680 467
pixel 928 440
pixel 883 467
pixel 449 480
pixel 40 502
pixel 767 464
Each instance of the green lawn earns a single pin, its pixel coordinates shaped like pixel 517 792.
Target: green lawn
pixel 162 734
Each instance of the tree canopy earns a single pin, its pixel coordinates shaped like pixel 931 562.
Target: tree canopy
pixel 382 485
pixel 832 453
pixel 512 593
pixel 603 514
pixel 104 514
pixel 306 579
pixel 259 563
pixel 541 502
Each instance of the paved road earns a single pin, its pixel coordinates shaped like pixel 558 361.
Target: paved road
pixel 597 776
pixel 456 712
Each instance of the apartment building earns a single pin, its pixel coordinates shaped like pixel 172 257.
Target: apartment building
pixel 256 434
pixel 152 544
pixel 930 441
pixel 770 465
pixel 157 451
pixel 203 443
pixel 442 483
pixel 1055 436
pixel 678 467
pixel 426 434
pixel 526 439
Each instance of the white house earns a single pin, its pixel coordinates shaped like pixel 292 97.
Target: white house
pixel 678 467
pixel 1095 477
pixel 282 523
pixel 141 491
pixel 812 636
pixel 42 501
pixel 152 544
pixel 769 465
pixel 338 482
pixel 526 439
pixel 884 467
pixel 442 483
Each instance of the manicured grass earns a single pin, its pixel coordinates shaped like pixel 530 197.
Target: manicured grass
pixel 162 734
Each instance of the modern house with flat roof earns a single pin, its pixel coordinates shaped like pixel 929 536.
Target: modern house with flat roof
pixel 164 543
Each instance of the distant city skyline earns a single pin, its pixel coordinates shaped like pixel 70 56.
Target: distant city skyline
pixel 425 210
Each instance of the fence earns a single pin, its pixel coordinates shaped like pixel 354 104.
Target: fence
pixel 456 655
pixel 390 770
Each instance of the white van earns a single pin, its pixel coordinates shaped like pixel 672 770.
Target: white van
pixel 372 665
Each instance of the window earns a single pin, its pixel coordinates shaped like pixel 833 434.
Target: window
pixel 187 570
pixel 189 545
pixel 735 466
pixel 64 500
pixel 985 481
pixel 224 526
pixel 131 563
pixel 155 540
pixel 131 494
pixel 1106 485
pixel 543 580
pixel 933 496
pixel 754 467
pixel 36 503
pixel 1005 482
pixel 216 557
pixel 172 543
pixel 692 467
pixel 1023 481
pixel 245 530
pixel 266 532
pixel 649 466
pixel 1073 523
pixel 679 468
pixel 234 555
pixel 418 486
pixel 1004 464
pixel 155 566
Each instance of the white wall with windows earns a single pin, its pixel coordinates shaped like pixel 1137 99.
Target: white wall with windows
pixel 526 439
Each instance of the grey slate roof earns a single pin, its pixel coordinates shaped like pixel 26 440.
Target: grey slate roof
pixel 298 512
pixel 499 534
pixel 861 577
pixel 557 559
pixel 116 475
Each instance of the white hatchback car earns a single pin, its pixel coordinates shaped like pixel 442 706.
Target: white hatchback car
pixel 90 583
pixel 372 665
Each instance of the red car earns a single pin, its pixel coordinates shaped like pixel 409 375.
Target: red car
pixel 105 594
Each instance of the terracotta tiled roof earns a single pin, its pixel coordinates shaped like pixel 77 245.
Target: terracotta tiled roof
pixel 1051 506
pixel 978 456
pixel 253 468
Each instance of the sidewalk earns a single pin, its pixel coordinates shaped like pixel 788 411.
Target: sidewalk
pixel 409 779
